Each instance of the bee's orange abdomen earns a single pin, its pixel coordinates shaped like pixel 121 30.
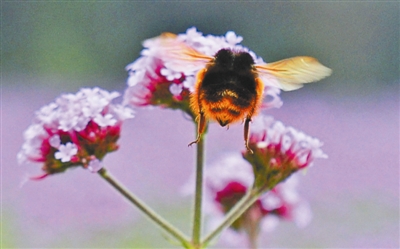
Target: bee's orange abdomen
pixel 224 111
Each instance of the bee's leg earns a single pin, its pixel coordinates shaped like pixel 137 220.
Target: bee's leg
pixel 201 126
pixel 246 134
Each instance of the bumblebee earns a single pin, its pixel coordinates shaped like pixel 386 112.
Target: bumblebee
pixel 230 86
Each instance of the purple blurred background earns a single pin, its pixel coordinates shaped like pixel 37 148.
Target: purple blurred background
pixel 354 194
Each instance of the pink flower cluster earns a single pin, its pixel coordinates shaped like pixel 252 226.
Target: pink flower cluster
pixel 153 80
pixel 279 151
pixel 76 129
pixel 228 180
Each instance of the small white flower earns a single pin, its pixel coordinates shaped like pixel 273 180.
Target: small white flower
pixel 302 214
pixel 136 77
pixel 66 152
pixel 109 95
pixel 93 107
pixel 269 223
pixel 68 122
pixel 289 192
pixel 95 165
pixel 271 201
pixel 193 34
pixel 81 123
pixel 258 124
pixel 175 89
pixel 55 141
pixel 35 131
pixel 123 112
pixel 232 38
pixel 46 113
pixel 21 157
pixel 231 167
pixel 170 74
pixel 189 83
pixel 106 120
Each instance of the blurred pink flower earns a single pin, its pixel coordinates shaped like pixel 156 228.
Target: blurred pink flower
pixel 156 80
pixel 228 180
pixel 279 151
pixel 76 129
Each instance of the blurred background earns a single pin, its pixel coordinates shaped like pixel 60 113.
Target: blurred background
pixel 50 48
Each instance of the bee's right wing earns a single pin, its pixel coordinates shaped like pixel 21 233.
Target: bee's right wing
pixel 177 55
pixel 290 74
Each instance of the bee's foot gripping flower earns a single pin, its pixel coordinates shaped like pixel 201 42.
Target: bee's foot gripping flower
pixel 228 180
pixel 279 151
pixel 155 80
pixel 76 129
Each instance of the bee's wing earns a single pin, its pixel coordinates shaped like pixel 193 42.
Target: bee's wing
pixel 290 74
pixel 178 56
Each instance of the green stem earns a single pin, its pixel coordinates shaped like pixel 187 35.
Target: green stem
pixel 251 225
pixel 197 219
pixel 241 207
pixel 253 241
pixel 145 209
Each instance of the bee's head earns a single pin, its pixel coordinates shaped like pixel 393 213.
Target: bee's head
pixel 224 58
pixel 243 61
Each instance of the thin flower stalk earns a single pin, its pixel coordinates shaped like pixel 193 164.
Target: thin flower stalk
pixel 158 220
pixel 197 216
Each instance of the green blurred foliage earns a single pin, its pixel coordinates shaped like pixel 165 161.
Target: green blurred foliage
pixel 8 228
pixel 83 42
pixel 64 39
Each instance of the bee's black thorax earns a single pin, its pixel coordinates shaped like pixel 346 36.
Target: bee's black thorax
pixel 230 76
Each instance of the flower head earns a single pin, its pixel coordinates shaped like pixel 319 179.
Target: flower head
pixel 279 151
pixel 76 129
pixel 228 180
pixel 154 80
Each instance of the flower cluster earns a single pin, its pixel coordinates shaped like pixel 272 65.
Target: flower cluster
pixel 76 129
pixel 228 180
pixel 279 151
pixel 154 81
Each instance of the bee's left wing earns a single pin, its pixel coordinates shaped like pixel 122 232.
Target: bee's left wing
pixel 178 56
pixel 290 74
